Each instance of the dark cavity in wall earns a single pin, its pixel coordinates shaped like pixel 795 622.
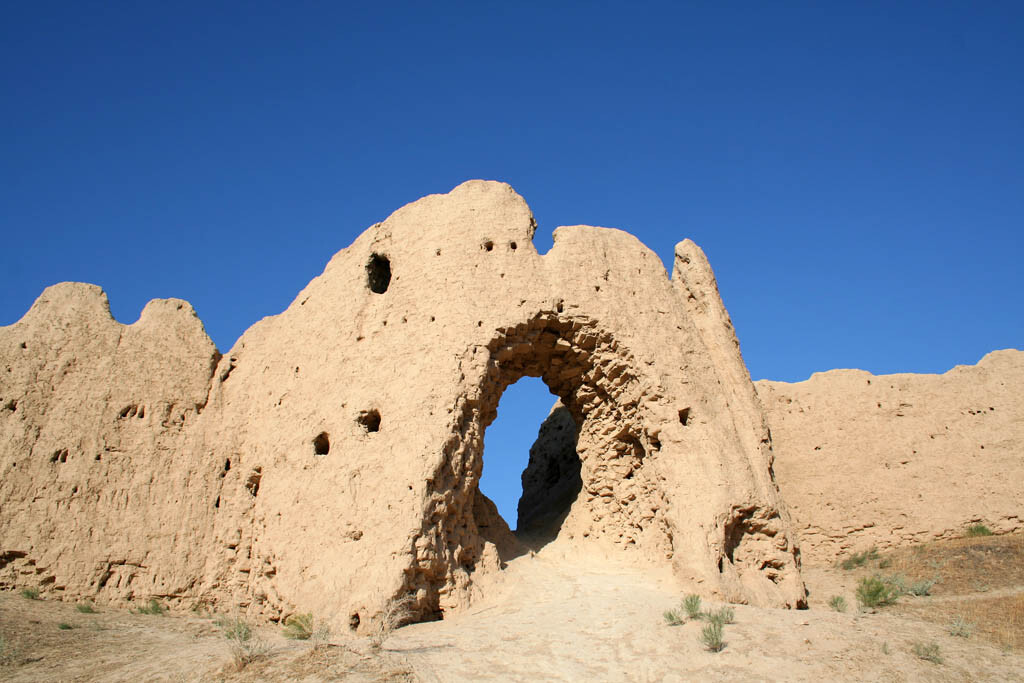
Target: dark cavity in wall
pixel 253 482
pixel 378 274
pixel 370 420
pixel 322 444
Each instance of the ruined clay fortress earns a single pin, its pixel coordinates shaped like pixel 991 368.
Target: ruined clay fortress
pixel 329 462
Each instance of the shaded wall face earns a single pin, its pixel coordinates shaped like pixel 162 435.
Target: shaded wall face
pixel 551 479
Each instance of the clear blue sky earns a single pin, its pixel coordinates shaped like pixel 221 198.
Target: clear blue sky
pixel 855 171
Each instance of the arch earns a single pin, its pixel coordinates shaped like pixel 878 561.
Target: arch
pixel 619 501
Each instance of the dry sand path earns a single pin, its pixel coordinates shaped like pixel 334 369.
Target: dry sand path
pixel 547 618
pixel 561 621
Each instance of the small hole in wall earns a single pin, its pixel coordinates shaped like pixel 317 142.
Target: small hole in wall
pixel 59 455
pixel 684 416
pixel 488 245
pixel 227 467
pixel 370 420
pixel 253 482
pixel 431 318
pixel 216 503
pixel 353 621
pixel 560 307
pixel 437 253
pixel 322 444
pixel 512 246
pixel 97 458
pixel 23 345
pixel 378 274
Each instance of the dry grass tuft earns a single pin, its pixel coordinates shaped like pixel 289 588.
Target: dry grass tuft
pixel 244 645
pixel 397 612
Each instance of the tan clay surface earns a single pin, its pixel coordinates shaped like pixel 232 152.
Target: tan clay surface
pixel 890 460
pixel 329 461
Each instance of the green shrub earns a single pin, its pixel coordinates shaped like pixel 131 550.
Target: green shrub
pixel 152 607
pixel 978 530
pixel 922 587
pixel 235 629
pixel 961 628
pixel 674 617
pixel 711 636
pixel 723 616
pixel 859 559
pixel 885 564
pixel 837 603
pixel 928 652
pixel 85 608
pixel 691 603
pixel 64 626
pixel 298 626
pixel 30 593
pixel 874 592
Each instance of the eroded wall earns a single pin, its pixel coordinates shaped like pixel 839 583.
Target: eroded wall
pixel 330 460
pixel 890 460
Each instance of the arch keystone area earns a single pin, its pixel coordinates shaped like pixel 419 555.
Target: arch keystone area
pixel 353 423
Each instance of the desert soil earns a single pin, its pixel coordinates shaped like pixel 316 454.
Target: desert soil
pixel 564 617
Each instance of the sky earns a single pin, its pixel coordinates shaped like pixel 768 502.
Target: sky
pixel 853 170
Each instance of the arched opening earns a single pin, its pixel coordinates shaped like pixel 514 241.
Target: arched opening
pixel 531 471
pixel 612 500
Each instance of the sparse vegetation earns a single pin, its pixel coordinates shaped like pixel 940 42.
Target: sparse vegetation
pixel 928 652
pixel 397 612
pixel 85 608
pixel 723 616
pixel 872 592
pixel 299 626
pixel 897 582
pixel 711 636
pixel 885 563
pixel 30 593
pixel 673 617
pixel 961 628
pixel 691 603
pixel 923 587
pixel 837 603
pixel 152 607
pixel 978 530
pixel 234 628
pixel 859 559
pixel 245 647
pixel 64 626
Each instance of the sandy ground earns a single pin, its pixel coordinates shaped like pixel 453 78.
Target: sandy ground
pixel 551 617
